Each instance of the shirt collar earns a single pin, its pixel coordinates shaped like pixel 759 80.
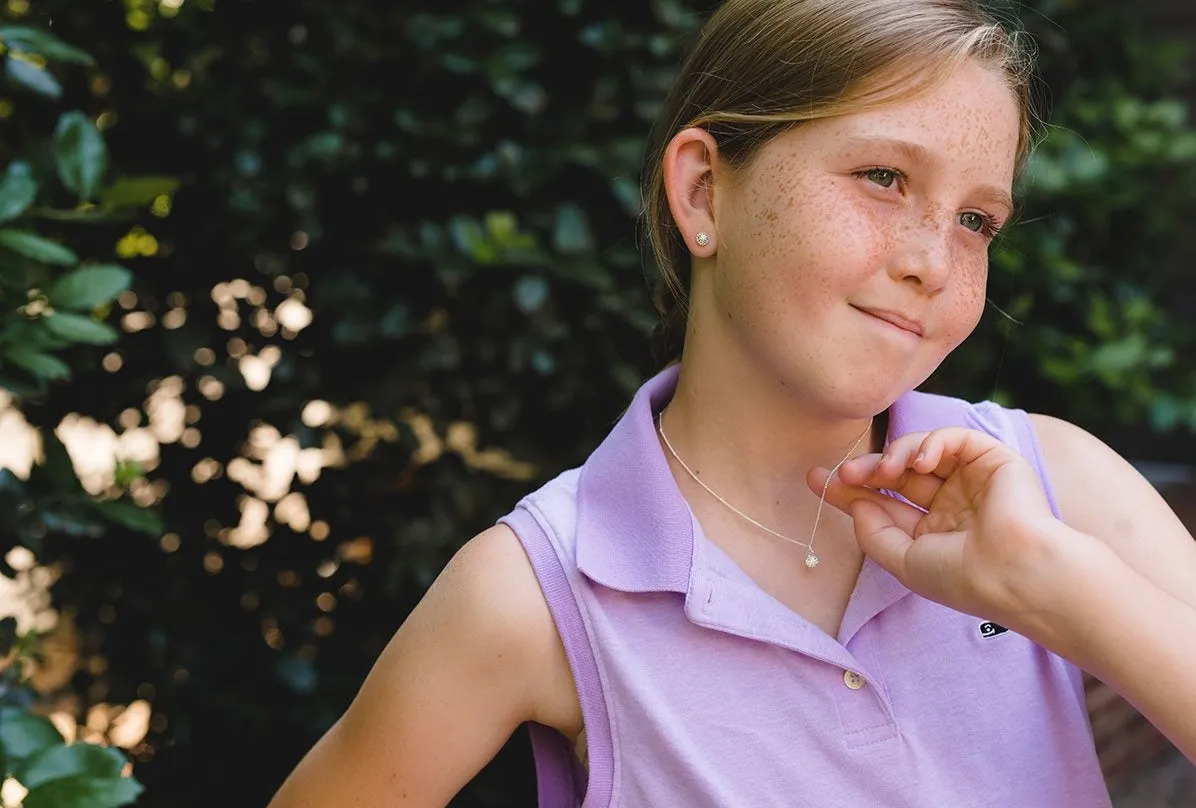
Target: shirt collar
pixel 635 532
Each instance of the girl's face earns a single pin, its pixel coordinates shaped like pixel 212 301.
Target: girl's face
pixel 852 253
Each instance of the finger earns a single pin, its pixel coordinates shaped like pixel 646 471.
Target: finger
pixel 898 453
pixel 880 537
pixel 928 566
pixel 841 496
pixel 945 450
pixel 940 453
pixel 893 473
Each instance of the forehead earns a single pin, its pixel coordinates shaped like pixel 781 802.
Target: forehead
pixel 969 122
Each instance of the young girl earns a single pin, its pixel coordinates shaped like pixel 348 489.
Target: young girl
pixel 681 620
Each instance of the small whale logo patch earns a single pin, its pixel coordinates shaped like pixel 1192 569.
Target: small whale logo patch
pixel 989 629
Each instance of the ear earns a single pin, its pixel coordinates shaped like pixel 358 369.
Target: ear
pixel 689 185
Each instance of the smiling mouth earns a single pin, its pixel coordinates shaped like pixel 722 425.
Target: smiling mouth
pixel 893 319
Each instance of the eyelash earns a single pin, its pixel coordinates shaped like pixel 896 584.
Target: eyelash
pixel 990 226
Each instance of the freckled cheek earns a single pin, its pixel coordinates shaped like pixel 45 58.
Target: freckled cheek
pixel 971 280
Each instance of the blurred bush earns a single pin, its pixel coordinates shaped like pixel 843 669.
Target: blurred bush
pixel 400 284
pixel 49 303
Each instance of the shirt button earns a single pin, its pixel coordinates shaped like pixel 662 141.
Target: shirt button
pixel 853 680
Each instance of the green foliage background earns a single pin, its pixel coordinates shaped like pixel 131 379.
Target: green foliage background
pixel 452 187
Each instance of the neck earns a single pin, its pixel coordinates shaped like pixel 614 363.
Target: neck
pixel 751 440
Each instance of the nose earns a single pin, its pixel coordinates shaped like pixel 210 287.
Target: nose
pixel 922 258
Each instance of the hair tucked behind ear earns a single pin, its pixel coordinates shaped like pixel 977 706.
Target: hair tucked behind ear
pixel 668 338
pixel 761 67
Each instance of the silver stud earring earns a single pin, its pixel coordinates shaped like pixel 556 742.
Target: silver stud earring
pixel 702 238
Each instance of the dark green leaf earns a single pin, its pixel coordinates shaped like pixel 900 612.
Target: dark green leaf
pixel 81 154
pixel 43 43
pixel 76 760
pixel 21 385
pixel 131 516
pixel 32 77
pixel 42 365
pixel 137 190
pixel 58 467
pixel 80 328
pixel 84 792
pixel 572 231
pixel 531 293
pixel 18 189
pixel 23 734
pixel 90 287
pixel 297 672
pixel 8 634
pixel 34 246
pixel 72 524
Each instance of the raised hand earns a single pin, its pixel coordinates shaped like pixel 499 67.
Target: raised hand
pixel 979 534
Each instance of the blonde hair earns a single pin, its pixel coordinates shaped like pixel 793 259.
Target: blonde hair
pixel 761 67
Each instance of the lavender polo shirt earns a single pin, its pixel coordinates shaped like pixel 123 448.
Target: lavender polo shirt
pixel 700 690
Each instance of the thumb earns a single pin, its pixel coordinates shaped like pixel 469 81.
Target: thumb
pixel 880 537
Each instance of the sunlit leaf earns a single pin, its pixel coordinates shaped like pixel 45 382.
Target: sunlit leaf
pixel 127 471
pixel 32 77
pixel 34 246
pixel 90 287
pixel 137 190
pixel 43 43
pixel 81 154
pixel 18 189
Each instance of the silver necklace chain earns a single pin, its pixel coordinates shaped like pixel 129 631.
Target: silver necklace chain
pixel 811 558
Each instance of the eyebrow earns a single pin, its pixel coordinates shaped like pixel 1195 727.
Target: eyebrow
pixel 917 153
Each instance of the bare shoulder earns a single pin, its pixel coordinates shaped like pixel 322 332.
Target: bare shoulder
pixel 477 657
pixel 490 596
pixel 1084 471
pixel 1102 494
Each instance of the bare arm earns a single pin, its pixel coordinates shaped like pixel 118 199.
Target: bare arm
pixel 1130 633
pixel 1131 613
pixel 476 658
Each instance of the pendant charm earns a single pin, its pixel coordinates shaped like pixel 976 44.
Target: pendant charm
pixel 811 559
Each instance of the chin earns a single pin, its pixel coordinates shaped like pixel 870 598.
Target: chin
pixel 866 397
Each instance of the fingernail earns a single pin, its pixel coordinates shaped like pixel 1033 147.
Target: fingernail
pixel 921 456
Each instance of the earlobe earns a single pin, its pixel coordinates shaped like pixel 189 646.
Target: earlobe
pixel 688 180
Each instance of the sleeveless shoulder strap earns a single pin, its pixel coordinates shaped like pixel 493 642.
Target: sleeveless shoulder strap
pixel 1026 440
pixel 923 412
pixel 561 780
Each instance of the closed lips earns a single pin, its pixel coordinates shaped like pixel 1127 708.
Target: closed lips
pixel 894 318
